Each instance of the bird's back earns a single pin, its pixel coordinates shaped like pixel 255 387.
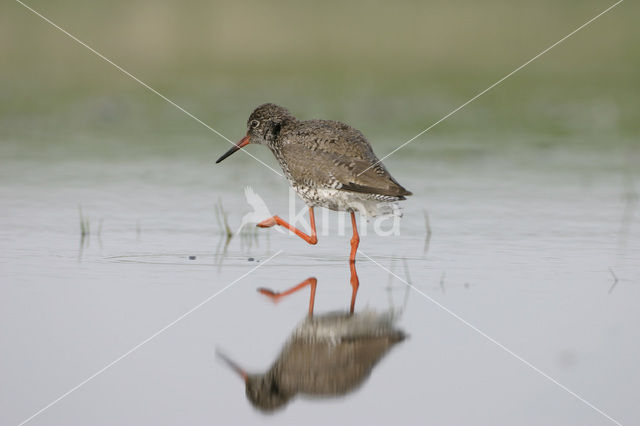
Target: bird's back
pixel 333 137
pixel 331 369
pixel 334 353
pixel 330 154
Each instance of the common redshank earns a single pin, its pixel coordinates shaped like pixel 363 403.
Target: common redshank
pixel 328 163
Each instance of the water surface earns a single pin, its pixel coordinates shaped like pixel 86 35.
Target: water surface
pixel 526 251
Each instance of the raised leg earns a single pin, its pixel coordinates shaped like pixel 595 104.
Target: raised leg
pixel 276 220
pixel 355 282
pixel 275 297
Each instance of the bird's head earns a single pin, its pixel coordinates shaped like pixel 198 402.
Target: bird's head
pixel 261 389
pixel 264 393
pixel 263 127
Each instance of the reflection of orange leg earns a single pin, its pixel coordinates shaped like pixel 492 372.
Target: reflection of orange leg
pixel 275 220
pixel 275 297
pixel 355 282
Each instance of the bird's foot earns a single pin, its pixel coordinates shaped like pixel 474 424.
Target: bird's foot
pixel 268 223
pixel 270 294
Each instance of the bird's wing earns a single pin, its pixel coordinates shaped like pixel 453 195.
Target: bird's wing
pixel 323 368
pixel 335 168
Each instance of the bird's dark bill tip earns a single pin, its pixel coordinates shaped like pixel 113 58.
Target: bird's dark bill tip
pixel 226 154
pixel 243 142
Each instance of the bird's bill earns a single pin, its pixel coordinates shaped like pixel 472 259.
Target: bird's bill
pixel 243 142
pixel 235 367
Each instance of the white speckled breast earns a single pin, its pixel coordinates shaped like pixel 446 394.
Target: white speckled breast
pixel 335 199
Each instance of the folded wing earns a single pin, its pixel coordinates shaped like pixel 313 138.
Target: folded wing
pixel 340 161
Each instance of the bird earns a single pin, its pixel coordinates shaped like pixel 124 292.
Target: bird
pixel 331 354
pixel 328 163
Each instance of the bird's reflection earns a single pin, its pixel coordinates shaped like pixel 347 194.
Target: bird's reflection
pixel 326 355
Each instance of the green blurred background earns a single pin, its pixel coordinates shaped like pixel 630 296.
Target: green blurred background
pixel 389 69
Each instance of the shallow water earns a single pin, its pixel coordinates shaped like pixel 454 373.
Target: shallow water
pixel 524 247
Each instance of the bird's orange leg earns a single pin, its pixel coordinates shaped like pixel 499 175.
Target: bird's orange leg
pixel 276 220
pixel 355 239
pixel 355 282
pixel 275 297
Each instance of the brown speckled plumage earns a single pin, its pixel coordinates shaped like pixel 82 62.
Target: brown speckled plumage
pixel 328 163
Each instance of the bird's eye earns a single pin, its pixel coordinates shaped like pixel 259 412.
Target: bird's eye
pixel 254 124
